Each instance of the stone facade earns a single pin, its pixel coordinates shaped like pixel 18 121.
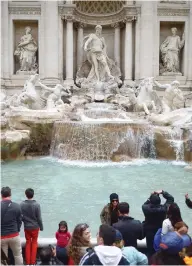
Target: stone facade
pixel 133 30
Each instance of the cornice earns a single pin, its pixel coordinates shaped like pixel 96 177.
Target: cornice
pixel 168 11
pixel 21 10
pixel 94 19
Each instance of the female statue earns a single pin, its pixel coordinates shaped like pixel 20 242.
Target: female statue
pixel 26 52
pixel 170 50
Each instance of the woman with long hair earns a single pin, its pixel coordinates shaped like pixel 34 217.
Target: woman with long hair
pixel 173 217
pixel 78 243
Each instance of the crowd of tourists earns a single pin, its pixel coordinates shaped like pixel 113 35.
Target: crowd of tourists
pixel 167 238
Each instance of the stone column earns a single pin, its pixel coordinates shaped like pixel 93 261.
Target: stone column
pixel 116 26
pixel 147 40
pixel 190 47
pixel 80 27
pixel 51 42
pixel 5 55
pixel 69 49
pixel 128 48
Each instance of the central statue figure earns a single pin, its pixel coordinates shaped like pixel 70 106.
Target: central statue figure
pixel 95 47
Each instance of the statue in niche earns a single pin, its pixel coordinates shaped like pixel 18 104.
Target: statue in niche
pixel 98 75
pixel 95 47
pixel 170 50
pixel 26 52
pixel 172 93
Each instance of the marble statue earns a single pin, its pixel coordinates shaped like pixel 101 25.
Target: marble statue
pixel 54 98
pixel 3 101
pixel 170 50
pixel 99 75
pixel 146 98
pixel 95 47
pixel 28 98
pixel 26 52
pixel 178 118
pixel 171 93
pixel 125 96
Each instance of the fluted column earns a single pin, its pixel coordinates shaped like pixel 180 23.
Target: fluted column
pixel 80 27
pixel 116 26
pixel 128 48
pixel 51 42
pixel 5 62
pixel 69 49
pixel 190 50
pixel 147 39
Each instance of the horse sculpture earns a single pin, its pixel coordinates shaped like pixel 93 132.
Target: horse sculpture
pixel 146 98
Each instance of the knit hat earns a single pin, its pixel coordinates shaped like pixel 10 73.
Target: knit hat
pixel 172 242
pixel 155 199
pixel 119 236
pixel 113 196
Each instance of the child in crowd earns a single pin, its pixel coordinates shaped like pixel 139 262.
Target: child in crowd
pixel 62 235
pixel 133 256
pixel 187 255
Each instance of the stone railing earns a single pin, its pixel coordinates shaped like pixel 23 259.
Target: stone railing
pixel 42 242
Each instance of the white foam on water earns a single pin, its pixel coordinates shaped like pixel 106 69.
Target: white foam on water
pixel 102 164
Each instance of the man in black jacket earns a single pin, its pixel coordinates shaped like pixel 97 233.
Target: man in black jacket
pixel 106 253
pixel 155 213
pixel 188 201
pixel 130 228
pixel 11 221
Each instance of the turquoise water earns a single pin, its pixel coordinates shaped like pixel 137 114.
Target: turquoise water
pixel 77 191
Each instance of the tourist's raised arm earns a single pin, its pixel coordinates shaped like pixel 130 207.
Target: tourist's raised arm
pixel 188 201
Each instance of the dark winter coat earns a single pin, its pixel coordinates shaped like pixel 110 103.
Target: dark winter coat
pixel 189 203
pixel 130 229
pixel 156 214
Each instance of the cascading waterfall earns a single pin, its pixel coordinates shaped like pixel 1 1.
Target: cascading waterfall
pixel 176 141
pixel 99 141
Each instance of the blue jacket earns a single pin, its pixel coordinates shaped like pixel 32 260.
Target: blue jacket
pixel 134 257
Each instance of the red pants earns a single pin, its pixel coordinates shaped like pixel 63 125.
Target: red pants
pixel 31 246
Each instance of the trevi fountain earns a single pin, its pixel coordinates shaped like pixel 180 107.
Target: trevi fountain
pixel 96 98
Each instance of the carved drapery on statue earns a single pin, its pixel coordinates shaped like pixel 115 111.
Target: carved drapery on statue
pixel 26 53
pixel 170 50
pixel 98 72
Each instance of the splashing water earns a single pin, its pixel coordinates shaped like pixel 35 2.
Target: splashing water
pixel 176 141
pixel 99 141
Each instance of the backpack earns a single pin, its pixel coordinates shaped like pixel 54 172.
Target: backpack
pixel 157 239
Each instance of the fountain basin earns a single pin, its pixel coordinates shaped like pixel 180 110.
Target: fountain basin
pixel 80 189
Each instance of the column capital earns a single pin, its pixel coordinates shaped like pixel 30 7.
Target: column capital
pixel 115 25
pixel 80 25
pixel 129 19
pixel 69 17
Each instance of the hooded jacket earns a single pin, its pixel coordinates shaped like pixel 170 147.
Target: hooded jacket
pixel 104 255
pixel 31 212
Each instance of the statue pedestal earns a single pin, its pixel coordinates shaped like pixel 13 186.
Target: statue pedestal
pixel 169 78
pixel 172 74
pixel 26 73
